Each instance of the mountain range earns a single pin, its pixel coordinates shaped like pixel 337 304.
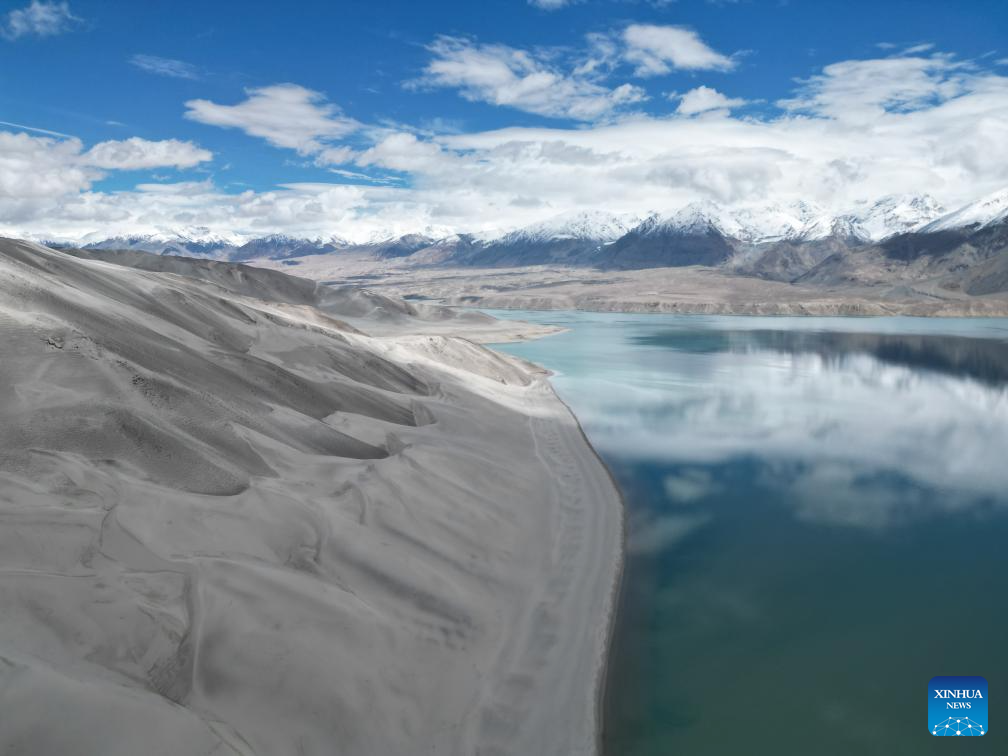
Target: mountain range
pixel 778 241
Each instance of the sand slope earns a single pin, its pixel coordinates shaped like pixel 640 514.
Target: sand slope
pixel 231 524
pixel 352 304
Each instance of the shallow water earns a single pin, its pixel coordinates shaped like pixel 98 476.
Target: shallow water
pixel 817 523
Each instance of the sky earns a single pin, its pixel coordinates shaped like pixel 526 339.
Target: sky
pixel 367 119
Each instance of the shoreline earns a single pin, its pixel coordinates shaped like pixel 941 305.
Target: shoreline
pixel 615 591
pixel 617 583
pixel 802 310
pixel 536 397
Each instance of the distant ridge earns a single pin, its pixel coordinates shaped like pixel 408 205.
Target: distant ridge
pixel 779 241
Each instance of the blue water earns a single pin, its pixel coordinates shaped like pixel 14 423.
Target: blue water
pixel 817 519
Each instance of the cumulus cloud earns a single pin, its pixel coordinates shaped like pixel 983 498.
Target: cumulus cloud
pixel 502 75
pixel 176 69
pixel 703 99
pixel 285 115
pixel 38 19
pixel 656 50
pixel 564 85
pixel 814 149
pixel 32 167
pixel 44 167
pixel 820 148
pixel 918 124
pixel 403 151
pixel 135 154
pixel 150 208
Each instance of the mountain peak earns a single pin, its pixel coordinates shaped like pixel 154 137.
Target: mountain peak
pixel 894 214
pixel 984 212
pixel 583 225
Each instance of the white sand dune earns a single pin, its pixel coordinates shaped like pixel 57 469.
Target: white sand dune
pixel 376 313
pixel 231 523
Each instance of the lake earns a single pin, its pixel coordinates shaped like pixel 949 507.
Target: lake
pixel 817 523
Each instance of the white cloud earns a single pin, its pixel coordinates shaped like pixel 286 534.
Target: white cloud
pixel 864 90
pixel 703 99
pixel 135 154
pixel 656 50
pixel 39 19
pixel 53 169
pixel 551 4
pixel 34 167
pixel 405 152
pixel 505 76
pixel 177 69
pixel 855 131
pixel 602 56
pixel 285 115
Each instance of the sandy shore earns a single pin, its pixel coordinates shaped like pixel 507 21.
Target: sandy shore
pixel 234 521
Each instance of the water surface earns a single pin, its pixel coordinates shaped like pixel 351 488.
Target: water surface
pixel 817 523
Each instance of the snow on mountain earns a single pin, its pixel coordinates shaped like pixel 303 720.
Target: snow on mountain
pixel 699 218
pixel 390 235
pixel 801 221
pixel 892 215
pixel 590 230
pixel 754 224
pixel 283 246
pixel 585 225
pixel 402 246
pixel 190 242
pixel 163 245
pixel 795 221
pixel 984 212
pixel 695 219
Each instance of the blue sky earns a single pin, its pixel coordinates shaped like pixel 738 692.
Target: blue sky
pixel 366 115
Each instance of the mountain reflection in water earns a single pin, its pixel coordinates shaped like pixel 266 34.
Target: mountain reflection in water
pixel 982 359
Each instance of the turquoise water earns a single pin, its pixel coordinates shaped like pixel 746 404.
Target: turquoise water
pixel 817 519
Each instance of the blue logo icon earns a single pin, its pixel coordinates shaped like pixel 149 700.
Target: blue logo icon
pixel 957 706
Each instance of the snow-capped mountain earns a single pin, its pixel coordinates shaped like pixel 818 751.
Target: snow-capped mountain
pixel 697 234
pixel 587 236
pixel 585 225
pixel 794 221
pixel 283 246
pixel 389 234
pixel 799 221
pixel 892 215
pixel 401 246
pixel 166 243
pixel 984 212
pixel 567 238
pixel 694 219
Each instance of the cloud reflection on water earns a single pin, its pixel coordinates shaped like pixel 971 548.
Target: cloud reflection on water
pixel 858 429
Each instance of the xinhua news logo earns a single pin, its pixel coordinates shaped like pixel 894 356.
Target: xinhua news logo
pixel 957 706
